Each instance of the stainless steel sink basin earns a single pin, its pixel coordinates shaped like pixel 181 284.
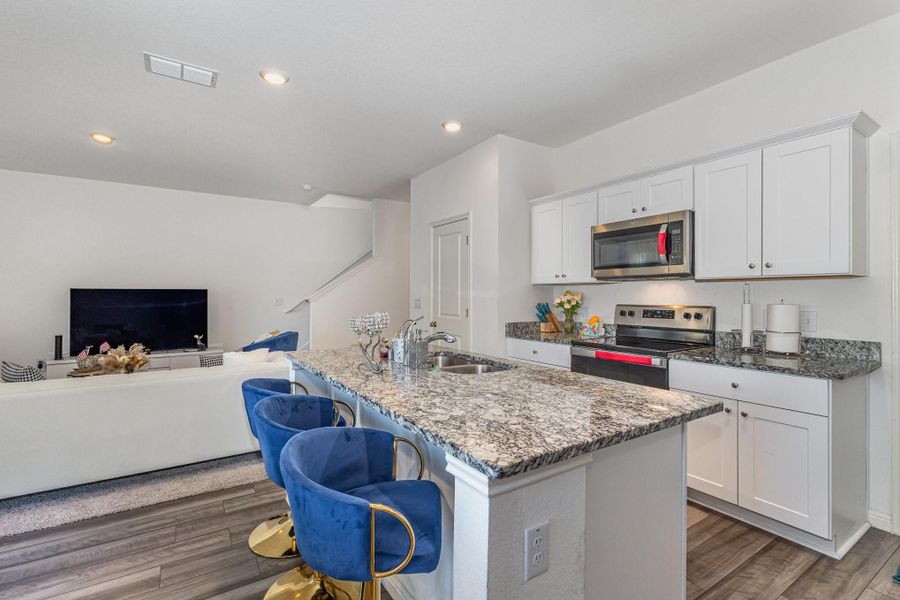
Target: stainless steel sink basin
pixel 462 365
pixel 473 369
pixel 442 361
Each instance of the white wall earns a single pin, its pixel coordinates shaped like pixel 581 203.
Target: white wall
pixel 382 284
pixel 856 71
pixel 62 232
pixel 464 185
pixel 493 183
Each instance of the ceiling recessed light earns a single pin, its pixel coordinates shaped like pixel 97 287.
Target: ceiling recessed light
pixel 102 138
pixel 451 126
pixel 274 78
pixel 307 187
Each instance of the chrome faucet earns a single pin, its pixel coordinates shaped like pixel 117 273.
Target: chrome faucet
pixel 417 351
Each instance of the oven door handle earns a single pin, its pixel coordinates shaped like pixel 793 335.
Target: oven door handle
pixel 644 360
pixel 662 239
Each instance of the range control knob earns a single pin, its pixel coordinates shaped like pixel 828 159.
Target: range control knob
pixel 622 313
pixel 698 316
pixel 687 316
pixel 630 313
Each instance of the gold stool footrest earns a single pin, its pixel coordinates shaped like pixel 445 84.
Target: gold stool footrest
pixel 274 538
pixel 302 583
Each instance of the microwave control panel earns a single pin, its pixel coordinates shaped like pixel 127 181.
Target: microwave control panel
pixel 676 243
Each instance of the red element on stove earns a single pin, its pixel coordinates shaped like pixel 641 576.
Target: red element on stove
pixel 661 243
pixel 625 358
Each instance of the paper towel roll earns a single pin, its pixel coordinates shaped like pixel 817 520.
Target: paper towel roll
pixel 784 318
pixel 746 325
pixel 785 343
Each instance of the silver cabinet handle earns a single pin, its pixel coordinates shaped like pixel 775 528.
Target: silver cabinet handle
pixel 752 265
pixel 768 265
pixel 534 351
pixel 744 413
pixel 433 324
pixel 557 276
pixel 634 210
pixel 734 384
pixel 643 209
pixel 564 275
pixel 727 411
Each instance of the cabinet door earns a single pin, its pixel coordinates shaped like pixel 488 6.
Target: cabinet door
pixel 620 202
pixel 806 205
pixel 667 192
pixel 712 447
pixel 579 215
pixel 728 219
pixel 546 242
pixel 783 466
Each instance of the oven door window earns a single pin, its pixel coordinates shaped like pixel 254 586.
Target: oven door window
pixel 638 247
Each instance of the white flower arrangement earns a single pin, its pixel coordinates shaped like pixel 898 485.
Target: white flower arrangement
pixel 569 302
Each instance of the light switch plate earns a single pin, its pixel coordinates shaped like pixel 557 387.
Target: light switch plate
pixel 417 303
pixel 809 320
pixel 537 550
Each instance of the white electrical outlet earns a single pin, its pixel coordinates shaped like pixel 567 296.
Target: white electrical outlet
pixel 537 550
pixel 278 301
pixel 417 303
pixel 808 320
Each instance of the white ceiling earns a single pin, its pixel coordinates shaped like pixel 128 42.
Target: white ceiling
pixel 370 81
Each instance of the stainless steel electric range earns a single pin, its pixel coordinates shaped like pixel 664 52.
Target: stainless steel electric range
pixel 645 337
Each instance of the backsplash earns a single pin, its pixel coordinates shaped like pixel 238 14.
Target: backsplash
pixel 855 349
pixel 532 329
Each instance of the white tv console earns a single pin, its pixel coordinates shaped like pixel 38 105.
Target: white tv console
pixel 159 361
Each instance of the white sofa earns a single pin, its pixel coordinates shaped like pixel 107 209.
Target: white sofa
pixel 64 432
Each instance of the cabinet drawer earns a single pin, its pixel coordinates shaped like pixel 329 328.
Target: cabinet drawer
pixel 542 352
pixel 790 392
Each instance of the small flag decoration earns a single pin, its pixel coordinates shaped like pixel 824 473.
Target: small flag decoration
pixel 82 356
pixel 104 347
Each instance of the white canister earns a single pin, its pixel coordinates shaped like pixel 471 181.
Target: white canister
pixel 785 343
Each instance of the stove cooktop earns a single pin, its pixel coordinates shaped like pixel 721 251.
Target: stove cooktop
pixel 639 345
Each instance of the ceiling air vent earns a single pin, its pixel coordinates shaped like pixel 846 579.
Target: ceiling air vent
pixel 161 65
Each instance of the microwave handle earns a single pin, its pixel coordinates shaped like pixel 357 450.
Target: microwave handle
pixel 662 239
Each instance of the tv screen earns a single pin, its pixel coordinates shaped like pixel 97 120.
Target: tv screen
pixel 159 319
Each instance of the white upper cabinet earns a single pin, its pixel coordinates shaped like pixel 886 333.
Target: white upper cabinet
pixel 561 239
pixel 667 192
pixel 728 219
pixel 807 206
pixel 546 242
pixel 620 202
pixel 579 215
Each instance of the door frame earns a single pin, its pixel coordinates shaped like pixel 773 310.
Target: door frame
pixel 895 331
pixel 465 216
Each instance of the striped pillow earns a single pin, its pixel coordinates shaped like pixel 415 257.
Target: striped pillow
pixel 210 360
pixel 13 373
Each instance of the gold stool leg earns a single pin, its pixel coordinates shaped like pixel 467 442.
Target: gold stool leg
pixel 274 538
pixel 372 590
pixel 302 583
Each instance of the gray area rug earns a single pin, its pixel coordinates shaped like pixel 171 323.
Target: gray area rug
pixel 57 507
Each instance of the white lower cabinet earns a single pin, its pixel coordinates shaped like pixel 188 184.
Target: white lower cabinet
pixel 787 454
pixel 545 353
pixel 783 466
pixel 712 447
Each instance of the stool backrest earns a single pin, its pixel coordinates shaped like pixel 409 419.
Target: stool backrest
pixel 317 467
pixel 281 417
pixel 258 388
pixel 284 342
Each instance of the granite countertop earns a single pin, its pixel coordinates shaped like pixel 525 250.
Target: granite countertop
pixel 508 422
pixel 803 365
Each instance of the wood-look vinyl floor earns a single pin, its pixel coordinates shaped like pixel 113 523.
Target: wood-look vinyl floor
pixel 196 548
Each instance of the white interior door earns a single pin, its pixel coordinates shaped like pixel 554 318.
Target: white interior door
pixel 450 280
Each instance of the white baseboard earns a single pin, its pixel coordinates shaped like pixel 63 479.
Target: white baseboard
pixel 881 521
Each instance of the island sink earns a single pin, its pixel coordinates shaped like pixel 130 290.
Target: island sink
pixel 463 365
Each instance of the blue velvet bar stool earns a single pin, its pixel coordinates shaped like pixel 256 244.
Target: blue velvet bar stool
pixel 359 525
pixel 278 418
pixel 283 342
pixel 273 538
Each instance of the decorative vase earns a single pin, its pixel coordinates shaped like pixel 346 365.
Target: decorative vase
pixel 569 324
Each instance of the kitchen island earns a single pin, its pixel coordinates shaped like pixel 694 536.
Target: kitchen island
pixel 601 461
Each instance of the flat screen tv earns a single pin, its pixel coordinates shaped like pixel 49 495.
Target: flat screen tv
pixel 159 319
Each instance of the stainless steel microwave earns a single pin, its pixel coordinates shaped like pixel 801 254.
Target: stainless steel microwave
pixel 656 247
